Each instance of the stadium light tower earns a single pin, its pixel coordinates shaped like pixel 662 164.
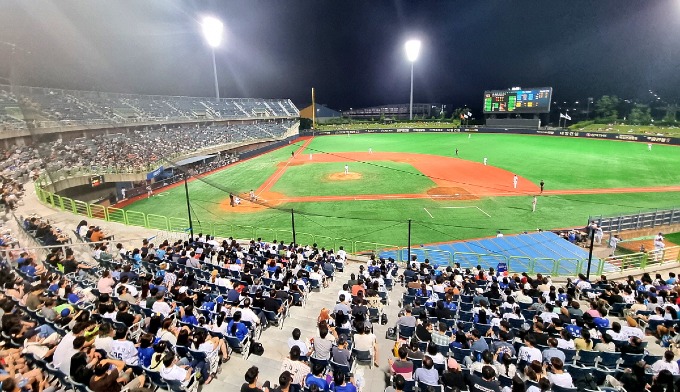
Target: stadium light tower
pixel 212 32
pixel 412 50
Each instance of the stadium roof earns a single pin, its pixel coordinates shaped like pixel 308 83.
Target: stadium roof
pixel 191 160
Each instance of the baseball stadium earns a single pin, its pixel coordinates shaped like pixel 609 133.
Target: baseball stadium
pixel 180 242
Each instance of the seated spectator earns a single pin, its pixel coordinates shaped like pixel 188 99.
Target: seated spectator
pixel 486 383
pixel 666 364
pixel 365 340
pixel 584 342
pixel 317 377
pixel 552 351
pixel 236 327
pixel 340 383
pixel 106 379
pixel 339 352
pixel 252 384
pixel 606 345
pixel 401 366
pixel 172 371
pixel 427 374
pixel 295 340
pixel 557 375
pixel 529 352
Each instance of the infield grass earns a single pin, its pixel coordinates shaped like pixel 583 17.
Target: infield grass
pixel 379 178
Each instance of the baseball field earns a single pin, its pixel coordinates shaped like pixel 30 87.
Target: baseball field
pixel 365 188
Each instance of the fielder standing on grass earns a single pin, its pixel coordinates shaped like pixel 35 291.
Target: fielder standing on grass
pixel 542 184
pixel 533 204
pixel 346 169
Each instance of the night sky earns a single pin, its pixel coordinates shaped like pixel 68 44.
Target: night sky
pixel 350 51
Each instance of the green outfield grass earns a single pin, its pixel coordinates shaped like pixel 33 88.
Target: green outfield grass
pixel 378 178
pixel 562 162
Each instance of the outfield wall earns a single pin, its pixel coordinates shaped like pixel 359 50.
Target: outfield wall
pixel 546 132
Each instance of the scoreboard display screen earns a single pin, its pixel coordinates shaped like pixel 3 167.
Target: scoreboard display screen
pixel 533 100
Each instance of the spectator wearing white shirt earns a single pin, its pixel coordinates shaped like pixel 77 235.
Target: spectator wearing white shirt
pixel 295 340
pixel 123 349
pixel 615 332
pixel 667 364
pixel 248 315
pixel 631 329
pixel 160 306
pixel 557 375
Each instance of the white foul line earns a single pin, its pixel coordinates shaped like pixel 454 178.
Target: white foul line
pixel 428 212
pixel 481 210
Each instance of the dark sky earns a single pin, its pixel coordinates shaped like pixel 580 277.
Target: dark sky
pixel 350 51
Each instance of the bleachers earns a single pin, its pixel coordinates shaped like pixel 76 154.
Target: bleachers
pixel 68 107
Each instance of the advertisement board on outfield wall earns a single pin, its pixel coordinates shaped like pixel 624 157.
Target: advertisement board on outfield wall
pixel 547 132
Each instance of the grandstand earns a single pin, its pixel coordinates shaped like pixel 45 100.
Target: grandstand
pixel 48 108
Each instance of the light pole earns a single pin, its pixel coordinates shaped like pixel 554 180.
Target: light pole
pixel 412 50
pixel 212 32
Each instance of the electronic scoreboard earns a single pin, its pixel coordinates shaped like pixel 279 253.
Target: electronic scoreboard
pixel 532 100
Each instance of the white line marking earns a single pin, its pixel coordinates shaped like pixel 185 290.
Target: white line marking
pixel 483 211
pixel 428 212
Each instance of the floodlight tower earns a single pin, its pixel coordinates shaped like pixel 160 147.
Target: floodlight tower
pixel 212 32
pixel 412 50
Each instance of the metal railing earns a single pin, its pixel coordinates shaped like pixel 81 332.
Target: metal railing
pixel 642 219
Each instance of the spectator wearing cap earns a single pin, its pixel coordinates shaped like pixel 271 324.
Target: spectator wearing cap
pixel 297 368
pixel 38 346
pixel 453 378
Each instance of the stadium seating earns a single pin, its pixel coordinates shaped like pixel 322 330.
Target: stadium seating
pixel 54 107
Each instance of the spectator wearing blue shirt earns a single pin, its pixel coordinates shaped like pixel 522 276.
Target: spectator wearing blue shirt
pixel 340 385
pixel 236 327
pixel 317 378
pixel 145 350
pixel 187 314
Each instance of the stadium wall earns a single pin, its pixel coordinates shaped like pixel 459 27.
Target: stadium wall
pixel 544 132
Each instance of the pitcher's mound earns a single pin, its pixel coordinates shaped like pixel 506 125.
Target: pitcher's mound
pixel 450 193
pixel 344 177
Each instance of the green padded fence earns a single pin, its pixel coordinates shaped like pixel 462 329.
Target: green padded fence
pixel 116 215
pixel 157 222
pixel 178 224
pixel 66 204
pixel 81 208
pixel 521 263
pixel 97 211
pixel 135 218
